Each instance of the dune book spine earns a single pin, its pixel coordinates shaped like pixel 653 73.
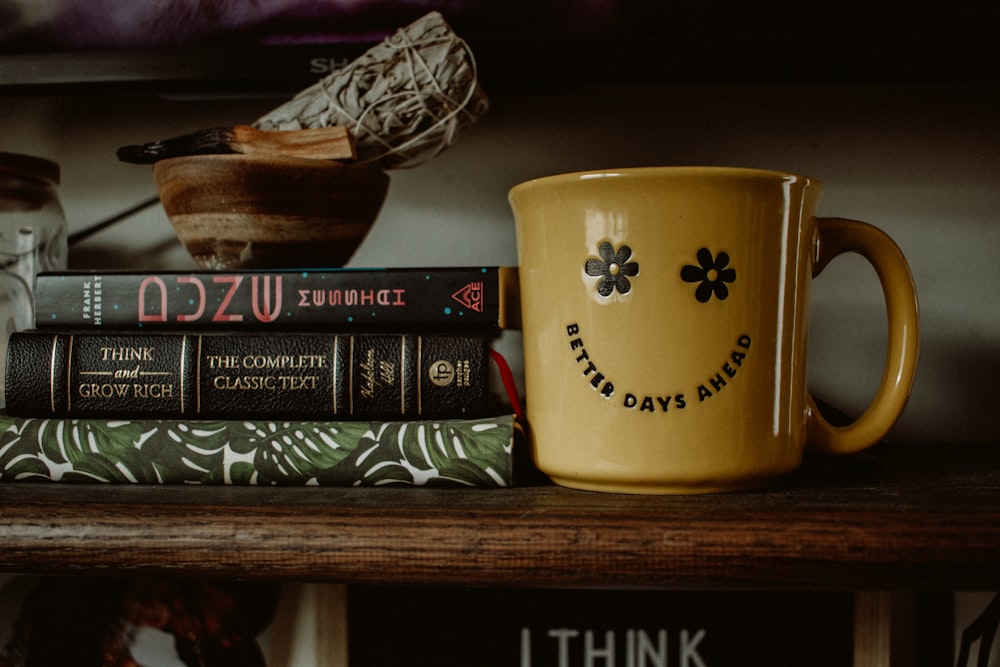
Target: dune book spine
pixel 248 375
pixel 411 299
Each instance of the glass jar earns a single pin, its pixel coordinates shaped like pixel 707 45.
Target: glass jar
pixel 29 203
pixel 33 238
pixel 16 313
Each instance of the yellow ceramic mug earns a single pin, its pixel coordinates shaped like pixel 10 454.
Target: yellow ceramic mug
pixel 665 315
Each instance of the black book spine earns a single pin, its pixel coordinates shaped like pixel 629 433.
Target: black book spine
pixel 357 300
pixel 248 375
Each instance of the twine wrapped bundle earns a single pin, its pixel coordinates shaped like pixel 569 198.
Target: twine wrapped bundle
pixel 404 100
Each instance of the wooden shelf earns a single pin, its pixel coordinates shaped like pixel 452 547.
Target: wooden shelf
pixel 900 518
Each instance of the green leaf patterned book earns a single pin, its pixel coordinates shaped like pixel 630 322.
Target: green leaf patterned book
pixel 459 452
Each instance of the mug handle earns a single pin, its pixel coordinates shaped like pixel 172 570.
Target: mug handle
pixel 835 236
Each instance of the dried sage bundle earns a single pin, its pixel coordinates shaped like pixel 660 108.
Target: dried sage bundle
pixel 404 100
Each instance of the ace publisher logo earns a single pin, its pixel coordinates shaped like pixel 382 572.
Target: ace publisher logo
pixel 470 296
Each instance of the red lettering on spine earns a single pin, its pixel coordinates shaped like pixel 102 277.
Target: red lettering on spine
pixel 154 317
pixel 470 296
pixel 267 313
pixel 191 280
pixel 220 314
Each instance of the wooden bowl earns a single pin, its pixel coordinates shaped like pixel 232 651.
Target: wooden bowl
pixel 236 211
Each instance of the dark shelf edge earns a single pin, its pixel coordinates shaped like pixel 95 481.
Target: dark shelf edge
pixel 900 519
pixel 525 65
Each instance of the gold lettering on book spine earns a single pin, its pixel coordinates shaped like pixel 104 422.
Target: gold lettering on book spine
pixel 197 376
pixel 52 372
pixel 402 375
pixel 181 369
pixel 350 376
pixel 419 377
pixel 335 373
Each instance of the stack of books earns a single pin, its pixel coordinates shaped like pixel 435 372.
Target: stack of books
pixel 312 376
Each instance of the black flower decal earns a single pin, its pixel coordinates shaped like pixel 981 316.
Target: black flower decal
pixel 712 274
pixel 613 268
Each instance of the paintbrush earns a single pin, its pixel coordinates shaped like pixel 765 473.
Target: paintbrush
pixel 322 143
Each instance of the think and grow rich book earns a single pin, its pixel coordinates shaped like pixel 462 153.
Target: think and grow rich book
pixel 235 375
pixel 411 299
pixel 456 452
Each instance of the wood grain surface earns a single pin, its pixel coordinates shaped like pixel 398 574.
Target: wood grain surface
pixel 903 519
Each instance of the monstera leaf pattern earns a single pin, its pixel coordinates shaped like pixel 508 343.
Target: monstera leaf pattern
pixel 448 452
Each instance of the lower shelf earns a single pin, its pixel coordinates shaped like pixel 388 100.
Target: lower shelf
pixel 159 621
